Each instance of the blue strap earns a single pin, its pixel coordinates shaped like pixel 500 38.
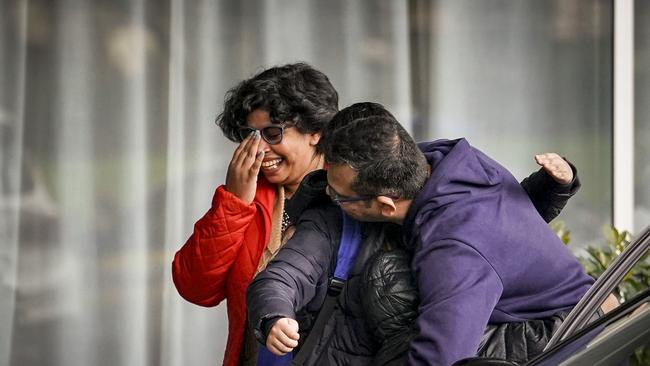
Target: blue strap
pixel 266 358
pixel 349 247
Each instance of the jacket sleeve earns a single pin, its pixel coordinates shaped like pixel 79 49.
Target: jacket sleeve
pixel 297 275
pixel 459 290
pixel 549 196
pixel 200 268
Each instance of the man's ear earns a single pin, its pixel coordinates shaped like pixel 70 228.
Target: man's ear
pixel 386 206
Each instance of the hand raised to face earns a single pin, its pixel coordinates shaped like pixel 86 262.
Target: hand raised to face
pixel 241 179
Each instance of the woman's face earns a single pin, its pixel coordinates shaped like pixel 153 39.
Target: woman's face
pixel 287 162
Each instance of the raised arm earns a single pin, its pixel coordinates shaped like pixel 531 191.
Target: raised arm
pixel 237 224
pixel 552 185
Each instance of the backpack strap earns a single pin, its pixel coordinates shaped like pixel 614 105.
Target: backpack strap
pixel 348 249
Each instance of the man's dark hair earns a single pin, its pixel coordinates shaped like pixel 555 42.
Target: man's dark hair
pixel 368 138
pixel 293 92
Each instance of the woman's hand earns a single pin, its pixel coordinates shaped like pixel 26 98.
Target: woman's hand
pixel 241 179
pixel 283 336
pixel 556 167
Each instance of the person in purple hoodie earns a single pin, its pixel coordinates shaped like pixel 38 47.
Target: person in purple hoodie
pixel 481 252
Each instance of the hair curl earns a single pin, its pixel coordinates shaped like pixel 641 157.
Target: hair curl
pixel 293 92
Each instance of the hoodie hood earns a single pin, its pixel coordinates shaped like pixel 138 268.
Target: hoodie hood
pixel 458 171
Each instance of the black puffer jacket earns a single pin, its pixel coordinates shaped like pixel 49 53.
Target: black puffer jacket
pixel 391 299
pixel 391 295
pixel 379 300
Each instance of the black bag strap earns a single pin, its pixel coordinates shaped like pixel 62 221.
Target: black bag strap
pixel 348 249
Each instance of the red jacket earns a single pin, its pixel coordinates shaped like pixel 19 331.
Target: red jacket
pixel 219 260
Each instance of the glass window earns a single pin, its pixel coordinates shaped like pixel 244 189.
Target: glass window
pixel 642 113
pixel 520 78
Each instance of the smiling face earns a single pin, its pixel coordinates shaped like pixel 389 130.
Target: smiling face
pixel 287 162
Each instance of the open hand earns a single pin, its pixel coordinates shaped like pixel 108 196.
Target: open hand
pixel 556 167
pixel 241 179
pixel 283 337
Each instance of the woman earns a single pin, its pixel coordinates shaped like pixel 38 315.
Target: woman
pixel 276 116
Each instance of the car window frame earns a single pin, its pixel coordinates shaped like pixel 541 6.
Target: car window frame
pixel 586 336
pixel 590 303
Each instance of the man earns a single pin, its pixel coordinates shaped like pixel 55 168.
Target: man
pixel 481 252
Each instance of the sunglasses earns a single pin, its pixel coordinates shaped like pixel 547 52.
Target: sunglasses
pixel 271 134
pixel 339 199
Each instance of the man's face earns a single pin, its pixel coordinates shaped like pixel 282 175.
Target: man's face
pixel 340 178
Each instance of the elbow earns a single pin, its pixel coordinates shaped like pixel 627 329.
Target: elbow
pixel 190 289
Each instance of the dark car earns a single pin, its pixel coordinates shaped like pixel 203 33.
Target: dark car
pixel 588 337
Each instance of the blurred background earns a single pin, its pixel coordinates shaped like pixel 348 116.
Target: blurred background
pixel 109 152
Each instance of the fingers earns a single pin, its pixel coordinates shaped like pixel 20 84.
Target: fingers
pixel 257 163
pixel 610 303
pixel 556 167
pixel 241 178
pixel 247 149
pixel 547 157
pixel 252 153
pixel 283 337
pixel 277 347
pixel 292 327
pixel 242 145
pixel 247 155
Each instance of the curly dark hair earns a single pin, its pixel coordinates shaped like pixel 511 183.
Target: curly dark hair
pixel 369 139
pixel 293 92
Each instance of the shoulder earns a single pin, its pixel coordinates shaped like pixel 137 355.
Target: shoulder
pixel 390 294
pixel 317 229
pixel 385 264
pixel 323 210
pixel 388 273
pixel 446 256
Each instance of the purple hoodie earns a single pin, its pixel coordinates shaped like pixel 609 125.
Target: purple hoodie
pixel 482 254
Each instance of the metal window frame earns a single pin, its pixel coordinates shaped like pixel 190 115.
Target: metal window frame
pixel 623 116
